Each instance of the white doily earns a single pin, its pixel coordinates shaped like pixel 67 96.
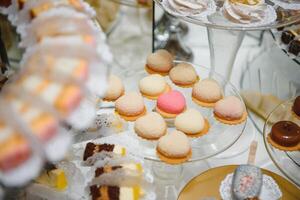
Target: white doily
pixel 269 191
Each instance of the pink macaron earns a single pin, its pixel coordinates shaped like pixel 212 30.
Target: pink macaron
pixel 170 104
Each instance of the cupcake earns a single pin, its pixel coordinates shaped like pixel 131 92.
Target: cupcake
pixel 153 85
pixel 159 62
pixel 183 75
pixel 296 107
pixel 285 135
pixel 230 110
pixel 151 126
pixel 130 106
pixel 174 148
pixel 207 92
pixel 115 88
pixel 192 123
pixel 170 104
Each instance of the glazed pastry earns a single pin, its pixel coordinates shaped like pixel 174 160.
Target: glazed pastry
pixel 115 192
pixel 136 167
pixel 115 88
pixel 248 11
pixel 64 98
pixel 230 110
pixel 91 149
pixel 151 126
pixel 130 106
pixel 159 62
pixel 207 92
pixel 170 104
pixel 285 135
pixel 14 148
pixel 174 148
pixel 153 85
pixel 246 182
pixel 192 123
pixel 296 107
pixel 183 75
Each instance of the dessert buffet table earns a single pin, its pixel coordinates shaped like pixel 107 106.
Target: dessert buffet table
pixel 157 132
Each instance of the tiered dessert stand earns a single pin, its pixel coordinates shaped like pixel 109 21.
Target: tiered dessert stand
pixel 225 38
pixel 288 162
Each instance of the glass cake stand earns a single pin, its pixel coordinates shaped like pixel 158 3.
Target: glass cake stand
pixel 225 37
pixel 287 162
pixel 169 178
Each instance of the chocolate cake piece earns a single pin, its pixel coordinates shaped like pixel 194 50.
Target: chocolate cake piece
pixel 294 47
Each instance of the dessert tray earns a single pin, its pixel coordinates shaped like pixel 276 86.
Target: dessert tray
pixel 210 13
pixel 207 184
pixel 288 162
pixel 219 138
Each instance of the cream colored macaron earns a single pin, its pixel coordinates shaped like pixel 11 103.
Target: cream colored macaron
pixel 130 106
pixel 159 62
pixel 115 88
pixel 153 85
pixel 174 148
pixel 192 123
pixel 207 92
pixel 183 75
pixel 152 126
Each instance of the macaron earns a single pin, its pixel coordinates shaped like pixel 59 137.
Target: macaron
pixel 192 123
pixel 170 104
pixel 151 126
pixel 159 62
pixel 130 106
pixel 174 148
pixel 207 92
pixel 230 110
pixel 153 85
pixel 115 88
pixel 184 75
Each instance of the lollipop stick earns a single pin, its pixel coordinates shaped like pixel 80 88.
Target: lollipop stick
pixel 252 152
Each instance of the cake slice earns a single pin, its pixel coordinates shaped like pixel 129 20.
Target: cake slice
pixel 91 149
pixel 137 167
pixel 115 193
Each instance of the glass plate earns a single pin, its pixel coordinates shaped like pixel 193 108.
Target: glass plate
pixel 287 162
pixel 220 136
pixel 287 17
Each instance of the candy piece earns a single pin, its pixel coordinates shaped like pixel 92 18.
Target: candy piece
pixel 92 149
pixel 115 193
pixel 55 178
pixel 159 62
pixel 246 182
pixel 115 88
